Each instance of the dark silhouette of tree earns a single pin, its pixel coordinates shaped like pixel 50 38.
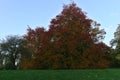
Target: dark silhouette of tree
pixel 12 47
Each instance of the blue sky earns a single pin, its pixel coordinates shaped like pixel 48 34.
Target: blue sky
pixel 15 15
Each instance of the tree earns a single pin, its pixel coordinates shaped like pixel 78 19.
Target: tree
pixel 1 59
pixel 96 33
pixel 35 41
pixel 12 48
pixel 115 43
pixel 70 36
pixel 97 56
pixel 116 40
pixel 74 33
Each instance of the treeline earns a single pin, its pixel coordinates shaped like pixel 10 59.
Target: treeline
pixel 73 41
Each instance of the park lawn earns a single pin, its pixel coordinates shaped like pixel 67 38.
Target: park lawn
pixel 90 74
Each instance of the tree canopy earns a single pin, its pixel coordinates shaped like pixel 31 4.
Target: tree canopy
pixel 72 39
pixel 12 48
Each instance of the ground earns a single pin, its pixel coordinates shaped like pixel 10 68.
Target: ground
pixel 90 74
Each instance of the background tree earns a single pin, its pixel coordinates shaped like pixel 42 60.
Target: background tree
pixel 115 43
pixel 12 47
pixel 1 59
pixel 97 34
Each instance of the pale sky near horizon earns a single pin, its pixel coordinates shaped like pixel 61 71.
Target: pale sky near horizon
pixel 15 15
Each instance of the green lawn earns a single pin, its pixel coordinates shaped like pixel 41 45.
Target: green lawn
pixel 103 74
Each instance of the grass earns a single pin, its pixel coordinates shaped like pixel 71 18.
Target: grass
pixel 103 74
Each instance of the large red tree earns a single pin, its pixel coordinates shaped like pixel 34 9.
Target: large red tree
pixel 71 36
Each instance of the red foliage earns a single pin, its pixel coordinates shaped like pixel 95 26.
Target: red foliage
pixel 68 44
pixel 97 56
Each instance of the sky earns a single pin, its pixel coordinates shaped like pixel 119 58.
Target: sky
pixel 15 15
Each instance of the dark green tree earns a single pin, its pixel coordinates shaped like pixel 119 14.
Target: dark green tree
pixel 1 59
pixel 115 44
pixel 13 48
